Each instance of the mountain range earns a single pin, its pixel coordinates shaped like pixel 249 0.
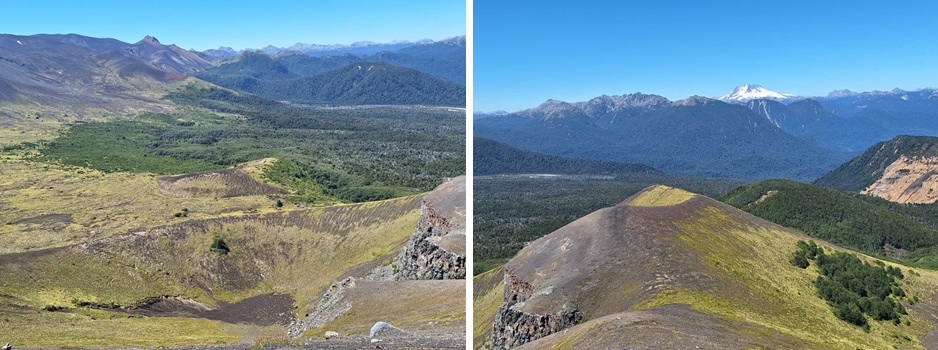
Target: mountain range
pixel 787 136
pixel 371 83
pixel 697 136
pixel 445 59
pixel 47 79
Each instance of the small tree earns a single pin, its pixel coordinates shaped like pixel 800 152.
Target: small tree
pixel 799 259
pixel 219 246
pixel 279 204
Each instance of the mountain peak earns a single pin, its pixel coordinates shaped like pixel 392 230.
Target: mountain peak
pixel 841 93
pixel 149 40
pixel 694 100
pixel 748 92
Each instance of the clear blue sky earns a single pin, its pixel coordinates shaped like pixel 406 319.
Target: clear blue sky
pixel 530 51
pixel 197 24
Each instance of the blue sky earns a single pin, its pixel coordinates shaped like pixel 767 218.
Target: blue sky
pixel 527 52
pixel 240 24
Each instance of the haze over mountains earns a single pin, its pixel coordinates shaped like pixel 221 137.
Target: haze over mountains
pixel 92 77
pixel 753 133
pixel 316 50
pixel 444 59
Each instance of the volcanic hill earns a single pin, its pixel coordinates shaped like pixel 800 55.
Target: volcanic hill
pixel 668 268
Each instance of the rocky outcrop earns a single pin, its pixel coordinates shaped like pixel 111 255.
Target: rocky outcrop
pixel 513 326
pixel 437 249
pixel 331 306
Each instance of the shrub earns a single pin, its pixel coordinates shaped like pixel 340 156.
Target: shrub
pixel 219 246
pixel 855 289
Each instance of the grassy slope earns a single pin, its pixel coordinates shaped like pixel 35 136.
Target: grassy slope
pixel 94 327
pixel 762 289
pixel 99 204
pixel 296 251
pixel 511 210
pixel 405 304
pixel 851 220
pixel 487 294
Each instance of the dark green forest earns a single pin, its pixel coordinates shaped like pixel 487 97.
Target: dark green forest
pixel 359 83
pixel 903 232
pixel 493 157
pixel 854 289
pixel 511 210
pixel 352 154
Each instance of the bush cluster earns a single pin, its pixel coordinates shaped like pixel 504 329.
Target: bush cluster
pixel 855 289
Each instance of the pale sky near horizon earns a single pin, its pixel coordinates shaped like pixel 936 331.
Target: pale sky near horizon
pixel 203 25
pixel 526 53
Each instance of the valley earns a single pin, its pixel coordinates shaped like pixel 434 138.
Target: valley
pixel 561 261
pixel 143 206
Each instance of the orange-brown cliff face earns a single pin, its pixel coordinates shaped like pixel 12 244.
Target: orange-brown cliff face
pixel 902 170
pixel 908 180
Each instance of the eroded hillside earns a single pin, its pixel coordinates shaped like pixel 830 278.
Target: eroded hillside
pixel 670 269
pixel 907 180
pixel 96 258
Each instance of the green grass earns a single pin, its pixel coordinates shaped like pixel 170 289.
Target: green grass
pixel 103 328
pixel 661 196
pixel 283 247
pixel 903 232
pixel 758 284
pixel 488 295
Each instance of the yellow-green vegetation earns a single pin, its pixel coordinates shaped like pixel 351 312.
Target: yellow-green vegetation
pixel 79 236
pixel 758 285
pixel 47 205
pixel 27 327
pixel 571 341
pixel 487 295
pixel 659 196
pixel 29 120
pixel 411 305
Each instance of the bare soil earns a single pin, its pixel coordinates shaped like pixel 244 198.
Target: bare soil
pixel 234 182
pixel 261 310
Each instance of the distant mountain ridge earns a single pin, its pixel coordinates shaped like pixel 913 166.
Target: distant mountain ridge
pixel 356 83
pixel 68 77
pixel 807 118
pixel 444 59
pixel 359 48
pixel 696 136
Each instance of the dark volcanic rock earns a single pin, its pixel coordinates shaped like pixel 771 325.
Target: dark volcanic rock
pixel 437 249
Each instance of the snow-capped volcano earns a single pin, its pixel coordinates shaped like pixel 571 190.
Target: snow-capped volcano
pixel 748 92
